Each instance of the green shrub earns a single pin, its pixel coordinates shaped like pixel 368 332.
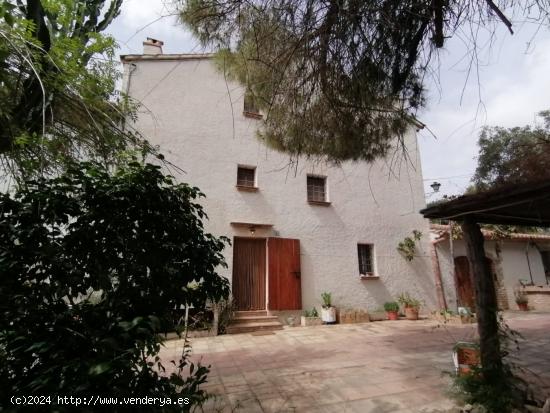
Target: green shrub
pixel 327 299
pixel 226 310
pixel 311 313
pixel 93 266
pixel 498 392
pixel 407 247
pixel 408 302
pixel 499 389
pixel 391 306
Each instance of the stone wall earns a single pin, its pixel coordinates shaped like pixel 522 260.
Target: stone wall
pixel 539 297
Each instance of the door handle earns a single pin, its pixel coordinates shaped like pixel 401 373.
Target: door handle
pixel 297 274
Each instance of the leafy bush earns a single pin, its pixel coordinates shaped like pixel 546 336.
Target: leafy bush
pixel 311 313
pixel 407 301
pixel 407 247
pixel 226 311
pixel 498 389
pixel 498 393
pixel 327 299
pixel 93 266
pixel 391 306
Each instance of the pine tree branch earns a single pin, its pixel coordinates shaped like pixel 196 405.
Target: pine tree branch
pixel 500 14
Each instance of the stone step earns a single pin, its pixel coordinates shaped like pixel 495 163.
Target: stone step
pixel 252 327
pixel 250 313
pixel 253 319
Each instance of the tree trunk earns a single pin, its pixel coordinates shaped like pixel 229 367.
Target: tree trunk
pixel 486 301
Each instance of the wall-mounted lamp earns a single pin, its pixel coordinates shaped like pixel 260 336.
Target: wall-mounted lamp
pixel 435 186
pixel 252 230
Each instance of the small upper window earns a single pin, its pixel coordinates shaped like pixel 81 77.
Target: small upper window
pixel 246 177
pixel 250 107
pixel 316 189
pixel 364 254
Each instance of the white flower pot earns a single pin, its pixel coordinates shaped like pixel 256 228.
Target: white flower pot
pixel 328 315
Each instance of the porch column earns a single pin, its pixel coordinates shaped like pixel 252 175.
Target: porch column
pixel 486 301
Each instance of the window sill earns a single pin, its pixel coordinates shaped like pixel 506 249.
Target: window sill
pixel 369 277
pixel 320 203
pixel 247 188
pixel 253 115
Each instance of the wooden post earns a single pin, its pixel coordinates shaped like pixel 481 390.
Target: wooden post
pixel 453 266
pixel 486 300
pixel 438 282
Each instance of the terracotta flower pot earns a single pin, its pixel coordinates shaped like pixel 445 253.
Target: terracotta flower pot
pixel 466 357
pixel 523 306
pixel 411 313
pixel 392 315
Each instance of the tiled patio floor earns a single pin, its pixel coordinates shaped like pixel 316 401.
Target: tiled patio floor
pixel 371 367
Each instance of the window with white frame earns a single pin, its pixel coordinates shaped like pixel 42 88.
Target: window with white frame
pixel 316 188
pixel 366 259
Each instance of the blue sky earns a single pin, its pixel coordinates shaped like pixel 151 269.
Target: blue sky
pixel 513 74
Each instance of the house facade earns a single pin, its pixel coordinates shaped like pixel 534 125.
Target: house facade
pixel 513 259
pixel 299 227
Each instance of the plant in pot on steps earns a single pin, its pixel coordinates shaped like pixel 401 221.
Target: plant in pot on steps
pixel 328 312
pixel 392 310
pixel 411 306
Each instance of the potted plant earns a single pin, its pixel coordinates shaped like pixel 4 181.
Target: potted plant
pixel 521 300
pixel 465 357
pixel 328 312
pixel 392 310
pixel 310 318
pixel 410 305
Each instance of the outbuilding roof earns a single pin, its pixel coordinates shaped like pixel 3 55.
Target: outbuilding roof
pixel 525 204
pixel 442 233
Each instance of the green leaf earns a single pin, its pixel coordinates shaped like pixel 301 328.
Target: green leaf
pixel 99 369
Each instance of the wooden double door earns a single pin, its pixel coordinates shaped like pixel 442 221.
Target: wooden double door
pixel 266 274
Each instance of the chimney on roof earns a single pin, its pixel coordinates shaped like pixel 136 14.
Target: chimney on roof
pixel 152 46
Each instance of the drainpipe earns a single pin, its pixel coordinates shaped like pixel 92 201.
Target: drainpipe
pixel 529 262
pixel 453 269
pixel 438 281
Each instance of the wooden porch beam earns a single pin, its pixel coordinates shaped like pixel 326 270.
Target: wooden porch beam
pixel 486 301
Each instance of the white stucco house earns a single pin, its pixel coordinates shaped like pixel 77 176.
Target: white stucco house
pixel 515 258
pixel 298 228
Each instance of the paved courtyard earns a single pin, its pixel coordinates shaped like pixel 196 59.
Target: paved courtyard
pixel 371 367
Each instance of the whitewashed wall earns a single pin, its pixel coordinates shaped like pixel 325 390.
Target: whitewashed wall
pixel 196 118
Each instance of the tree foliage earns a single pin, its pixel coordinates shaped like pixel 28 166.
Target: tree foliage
pixel 57 86
pixel 341 78
pixel 513 155
pixel 93 265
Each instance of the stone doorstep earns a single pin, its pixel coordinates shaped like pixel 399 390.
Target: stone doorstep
pixel 253 327
pixel 253 321
pixel 261 313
